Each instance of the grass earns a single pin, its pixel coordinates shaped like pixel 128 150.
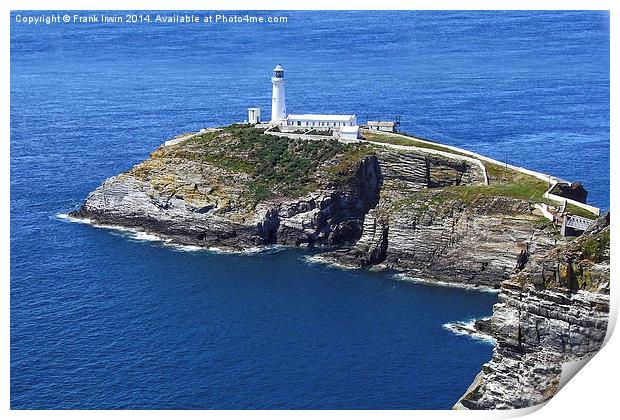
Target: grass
pixel 578 211
pixel 408 141
pixel 503 182
pixel 596 248
pixel 278 166
pixel 510 183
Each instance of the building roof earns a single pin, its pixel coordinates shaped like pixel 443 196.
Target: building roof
pixel 382 123
pixel 320 117
pixel 350 129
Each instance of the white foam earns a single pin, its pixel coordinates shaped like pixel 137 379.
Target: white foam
pixel 318 259
pixel 267 249
pixel 133 233
pixel 467 328
pixel 408 278
pixel 144 236
pixel 71 219
pixel 186 248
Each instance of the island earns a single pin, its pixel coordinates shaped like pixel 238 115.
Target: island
pixel 371 198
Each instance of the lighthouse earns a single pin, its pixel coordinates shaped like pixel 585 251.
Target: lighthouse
pixel 343 127
pixel 278 100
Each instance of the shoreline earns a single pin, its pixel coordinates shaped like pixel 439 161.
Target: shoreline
pixel 408 278
pixel 141 235
pixel 468 328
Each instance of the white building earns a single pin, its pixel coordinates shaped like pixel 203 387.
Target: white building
pixel 325 121
pixel 254 115
pixel 389 126
pixel 342 126
pixel 349 132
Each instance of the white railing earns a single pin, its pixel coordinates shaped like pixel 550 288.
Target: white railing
pixel 578 222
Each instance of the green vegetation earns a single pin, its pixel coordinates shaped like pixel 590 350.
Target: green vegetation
pixel 596 248
pixel 278 166
pixel 573 209
pixel 341 172
pixel 510 183
pixel 503 181
pixel 408 141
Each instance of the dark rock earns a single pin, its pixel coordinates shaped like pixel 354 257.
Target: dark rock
pixel 483 325
pixel 574 191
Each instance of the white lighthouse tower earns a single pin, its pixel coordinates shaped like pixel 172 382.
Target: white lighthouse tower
pixel 278 99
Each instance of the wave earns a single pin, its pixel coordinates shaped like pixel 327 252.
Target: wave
pixel 468 328
pixel 318 259
pixel 263 250
pixel 144 236
pixel 133 233
pixel 408 278
pixel 68 218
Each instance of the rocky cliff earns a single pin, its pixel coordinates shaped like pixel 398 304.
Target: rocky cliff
pixel 554 311
pixel 415 212
pixel 237 188
pixel 436 220
pixel 424 214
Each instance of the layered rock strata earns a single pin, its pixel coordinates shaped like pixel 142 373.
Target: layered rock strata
pixel 555 311
pixel 424 215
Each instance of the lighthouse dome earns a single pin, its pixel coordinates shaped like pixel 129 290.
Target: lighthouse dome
pixel 278 72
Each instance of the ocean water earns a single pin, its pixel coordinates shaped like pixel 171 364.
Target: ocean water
pixel 103 319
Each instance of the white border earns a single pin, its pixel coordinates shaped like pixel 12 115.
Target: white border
pixel 591 395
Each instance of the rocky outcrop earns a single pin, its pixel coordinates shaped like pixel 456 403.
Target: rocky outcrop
pixel 330 217
pixel 382 207
pixel 198 192
pixel 370 249
pixel 573 191
pixel 325 217
pixel 421 214
pixel 554 311
pixel 420 229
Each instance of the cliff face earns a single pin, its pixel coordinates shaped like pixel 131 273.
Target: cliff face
pixel 555 310
pixel 211 192
pixel 327 217
pixel 425 226
pixel 477 245
pixel 418 213
pixel 423 214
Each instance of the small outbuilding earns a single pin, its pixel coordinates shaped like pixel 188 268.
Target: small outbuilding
pixel 254 115
pixel 389 126
pixel 349 132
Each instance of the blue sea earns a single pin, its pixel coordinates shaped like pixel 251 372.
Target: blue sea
pixel 108 319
